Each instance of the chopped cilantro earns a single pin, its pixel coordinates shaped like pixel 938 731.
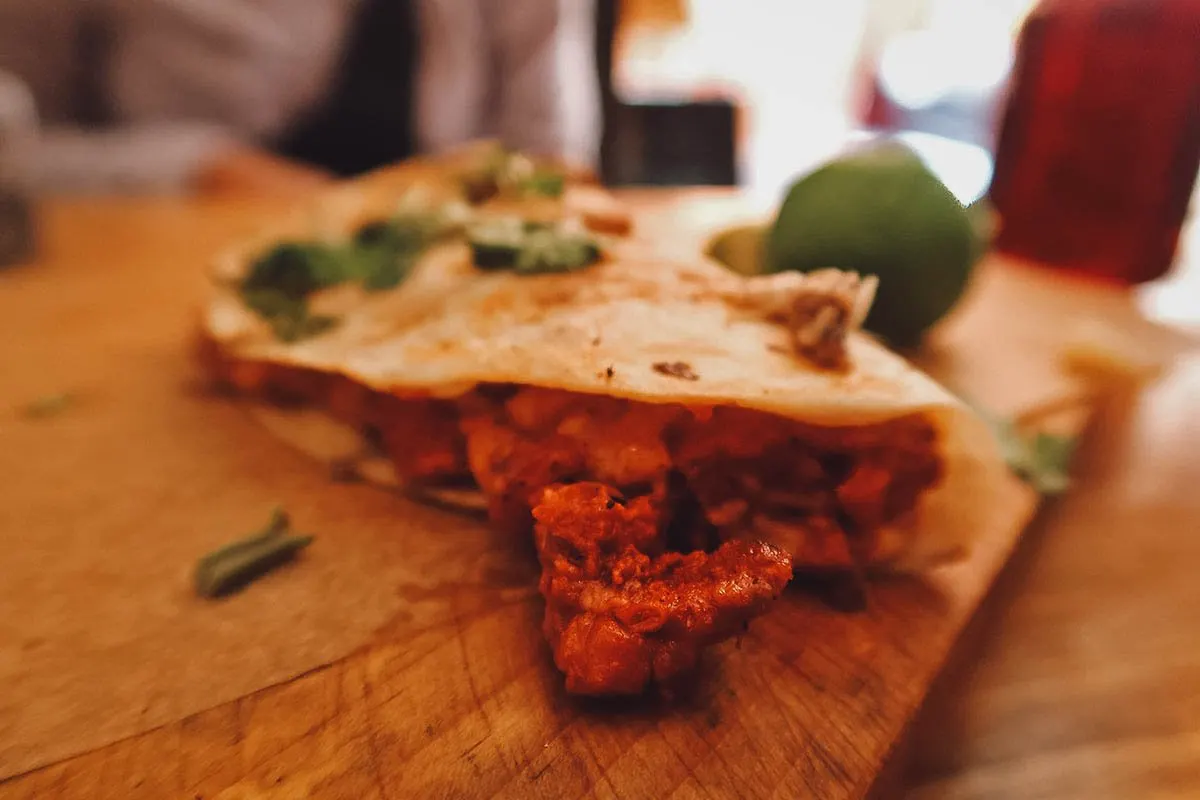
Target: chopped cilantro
pixel 544 182
pixel 1049 465
pixel 553 251
pixel 270 303
pixel 296 269
pixel 384 252
pixel 294 328
pixel 288 316
pixel 380 255
pixel 1042 460
pixel 530 248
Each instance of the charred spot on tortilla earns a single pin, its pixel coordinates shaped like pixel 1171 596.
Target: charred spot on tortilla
pixel 478 188
pixel 344 470
pixel 781 350
pixel 818 326
pixel 481 181
pixel 676 369
pixel 819 310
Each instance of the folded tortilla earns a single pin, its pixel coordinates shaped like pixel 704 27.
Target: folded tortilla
pixel 646 371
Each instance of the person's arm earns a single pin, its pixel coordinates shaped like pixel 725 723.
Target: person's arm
pixel 253 172
pixel 546 78
pixel 451 81
pixel 520 70
pixel 139 159
pixel 196 85
pixel 62 159
pixel 158 159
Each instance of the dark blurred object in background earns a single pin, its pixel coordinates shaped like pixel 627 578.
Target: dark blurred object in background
pixel 672 138
pixel 1100 142
pixel 684 143
pixel 18 126
pixel 16 228
pixel 607 22
pixel 352 131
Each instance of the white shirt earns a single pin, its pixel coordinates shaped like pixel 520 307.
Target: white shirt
pixel 185 78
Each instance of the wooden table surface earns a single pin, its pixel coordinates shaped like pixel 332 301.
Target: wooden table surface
pixel 1079 678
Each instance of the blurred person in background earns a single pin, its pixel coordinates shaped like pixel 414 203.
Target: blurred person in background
pixel 275 96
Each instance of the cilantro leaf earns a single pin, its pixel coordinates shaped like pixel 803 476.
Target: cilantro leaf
pixel 380 255
pixel 385 269
pixel 530 248
pixel 384 252
pixel 1042 460
pixel 302 326
pixel 550 251
pixel 269 303
pixel 233 566
pixel 544 183
pixel 1051 463
pixel 288 316
pixel 296 269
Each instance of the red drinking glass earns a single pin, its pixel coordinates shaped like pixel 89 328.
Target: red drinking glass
pixel 1100 141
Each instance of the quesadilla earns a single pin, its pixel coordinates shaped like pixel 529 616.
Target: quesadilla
pixel 677 438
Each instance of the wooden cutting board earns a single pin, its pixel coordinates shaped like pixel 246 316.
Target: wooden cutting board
pixel 402 656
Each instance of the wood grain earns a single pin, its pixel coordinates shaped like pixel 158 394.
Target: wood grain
pixel 812 702
pixel 1081 678
pixel 808 704
pixel 107 505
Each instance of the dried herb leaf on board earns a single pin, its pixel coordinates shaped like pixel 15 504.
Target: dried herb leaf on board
pixel 235 565
pixel 49 405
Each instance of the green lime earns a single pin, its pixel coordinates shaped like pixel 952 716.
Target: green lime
pixel 739 248
pixel 881 212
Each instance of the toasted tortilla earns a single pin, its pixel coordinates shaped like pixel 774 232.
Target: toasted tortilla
pixel 606 329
